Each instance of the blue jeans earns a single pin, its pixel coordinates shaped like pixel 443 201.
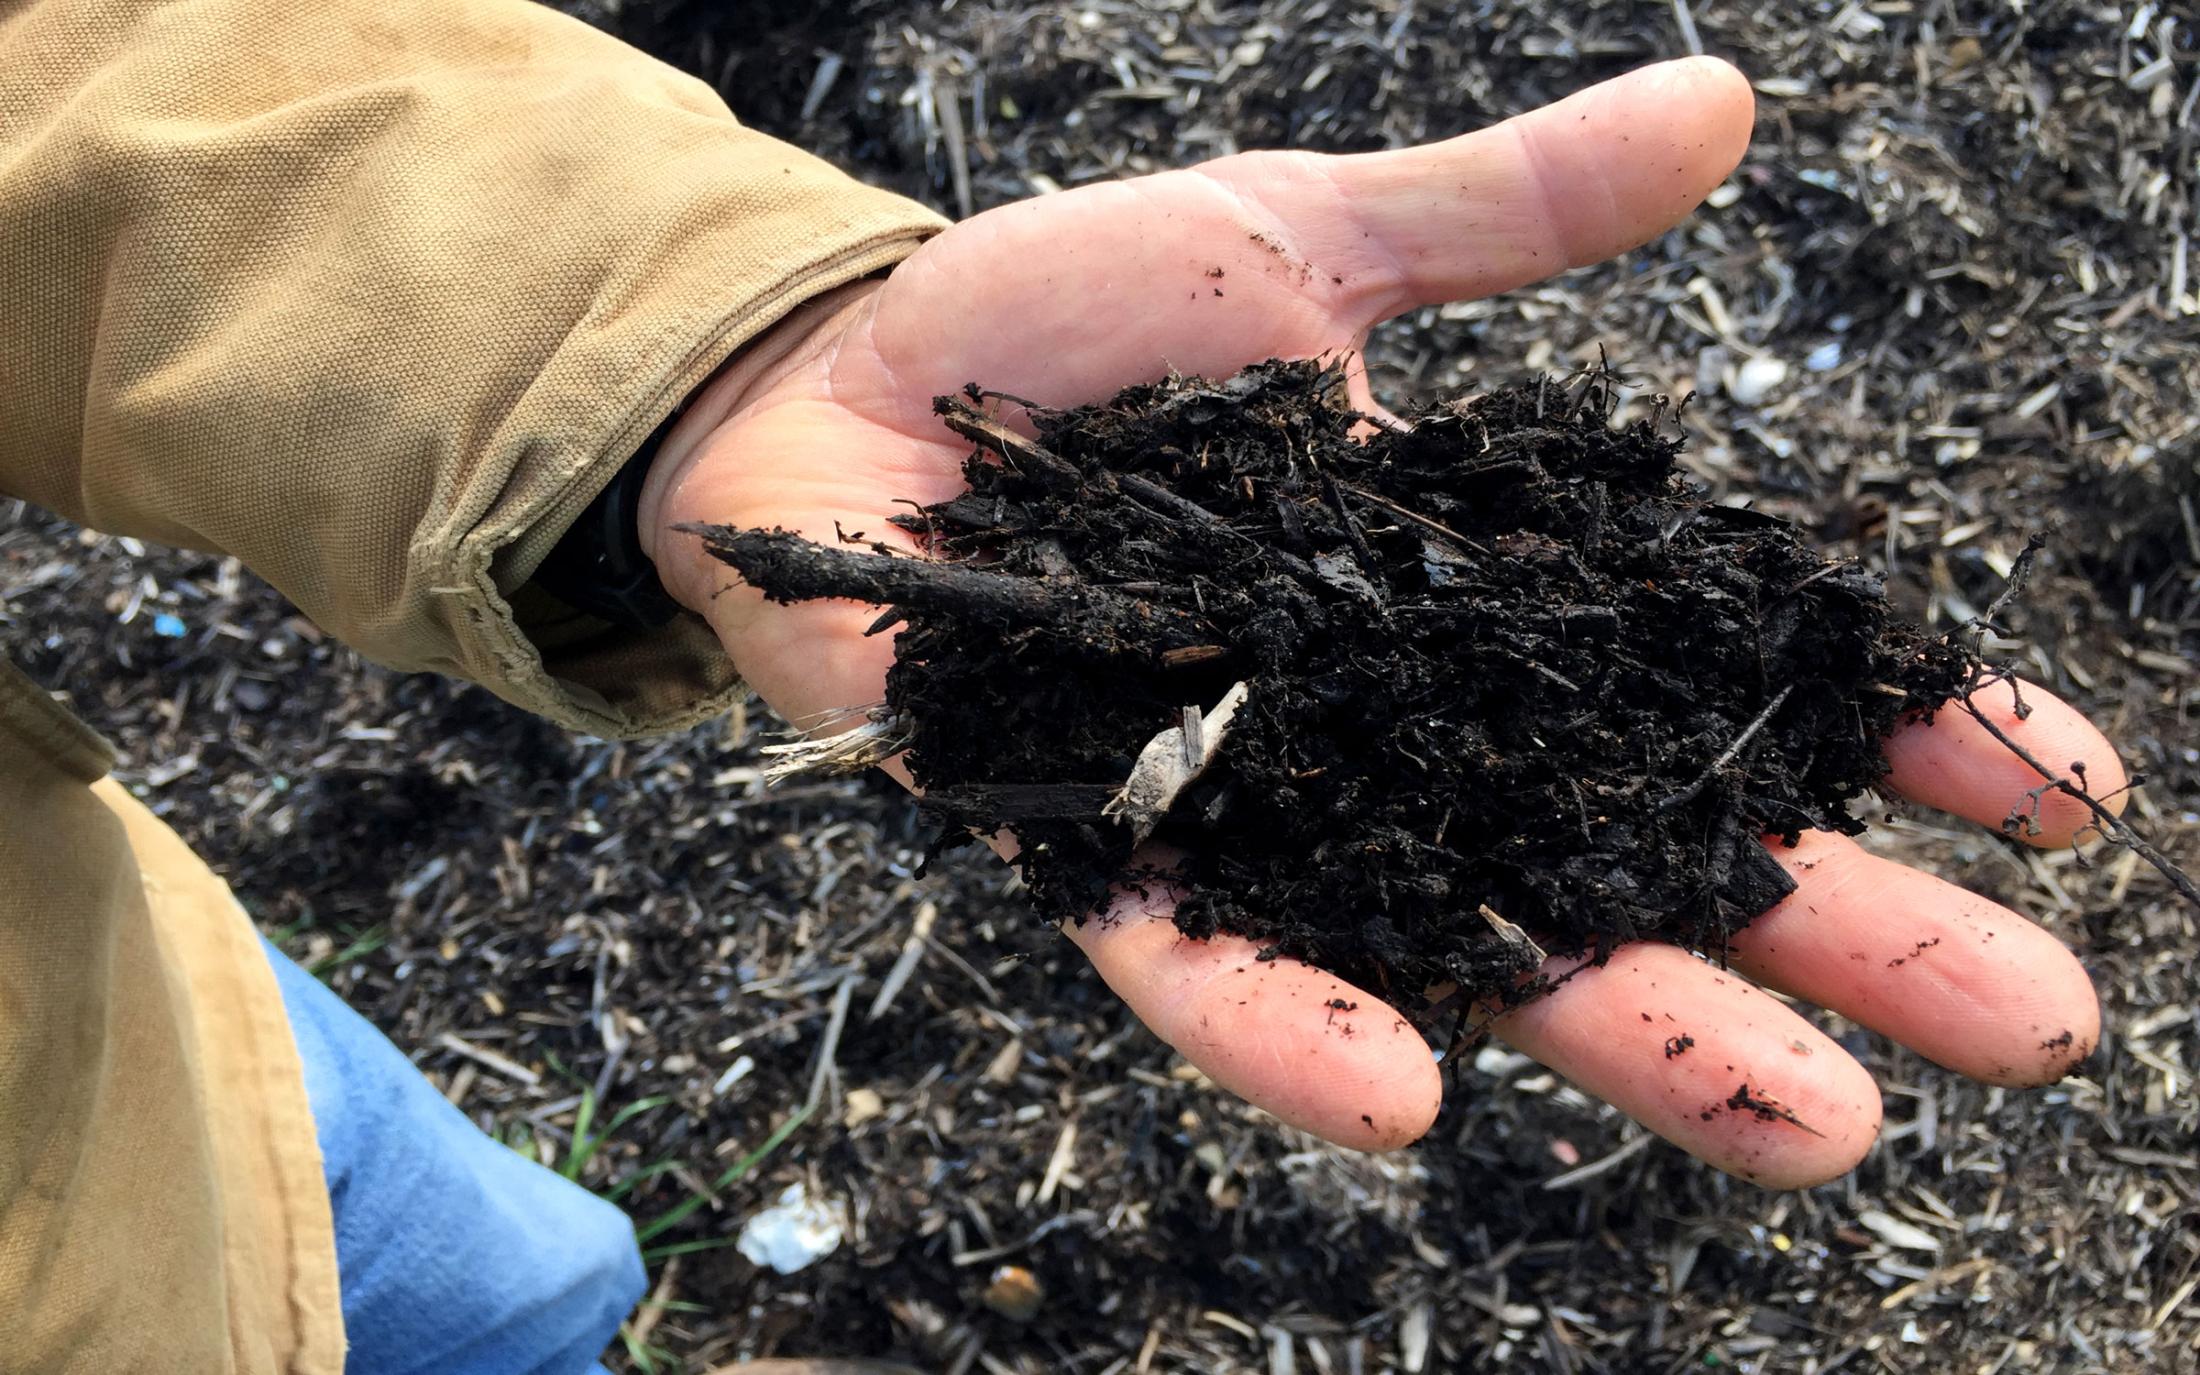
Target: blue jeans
pixel 455 1255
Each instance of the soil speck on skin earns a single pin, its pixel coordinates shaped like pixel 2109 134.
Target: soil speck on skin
pixel 2062 1042
pixel 1514 608
pixel 1920 948
pixel 1678 1045
pixel 1766 1108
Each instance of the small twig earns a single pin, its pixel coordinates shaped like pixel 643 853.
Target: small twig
pixel 2020 574
pixel 1352 533
pixel 1025 455
pixel 2112 827
pixel 1582 1174
pixel 1749 732
pixel 481 1055
pixel 789 568
pixel 1826 572
pixel 978 393
pixel 830 1045
pixel 2025 814
pixel 1154 496
pixel 1065 1152
pixel 1766 1108
pixel 652 1310
pixel 912 950
pixel 1416 517
pixel 1515 939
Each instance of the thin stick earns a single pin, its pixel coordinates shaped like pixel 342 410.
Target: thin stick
pixel 912 950
pixel 2112 827
pixel 789 568
pixel 652 1310
pixel 1749 732
pixel 1582 1174
pixel 1416 517
pixel 1025 455
pixel 830 1045
pixel 2020 574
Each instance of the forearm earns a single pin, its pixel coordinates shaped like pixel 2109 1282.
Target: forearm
pixel 376 295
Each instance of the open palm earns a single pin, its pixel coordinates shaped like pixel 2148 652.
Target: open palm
pixel 1070 297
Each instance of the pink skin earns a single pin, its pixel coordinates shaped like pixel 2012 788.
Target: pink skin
pixel 1959 767
pixel 1070 297
pixel 1960 980
pixel 1306 1044
pixel 1668 1040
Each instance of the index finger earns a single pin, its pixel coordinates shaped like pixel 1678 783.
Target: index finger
pixel 1316 1051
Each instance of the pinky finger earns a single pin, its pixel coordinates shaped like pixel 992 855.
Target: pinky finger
pixel 1956 763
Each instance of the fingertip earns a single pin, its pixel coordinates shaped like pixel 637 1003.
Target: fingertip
pixel 2057 1044
pixel 1721 95
pixel 1300 1043
pixel 1310 1049
pixel 1707 1061
pixel 1959 979
pixel 1421 1098
pixel 1564 185
pixel 1806 1165
pixel 1956 763
pixel 1655 141
pixel 1399 1108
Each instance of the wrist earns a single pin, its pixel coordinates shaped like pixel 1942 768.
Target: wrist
pixel 747 385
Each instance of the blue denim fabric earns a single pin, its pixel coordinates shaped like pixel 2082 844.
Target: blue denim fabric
pixel 456 1256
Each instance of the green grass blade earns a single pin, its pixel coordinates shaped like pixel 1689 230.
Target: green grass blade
pixel 680 1211
pixel 658 1254
pixel 576 1155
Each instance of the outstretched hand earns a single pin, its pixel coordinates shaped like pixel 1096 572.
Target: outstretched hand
pixel 1066 299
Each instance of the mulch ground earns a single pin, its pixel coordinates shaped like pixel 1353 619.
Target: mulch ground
pixel 1948 299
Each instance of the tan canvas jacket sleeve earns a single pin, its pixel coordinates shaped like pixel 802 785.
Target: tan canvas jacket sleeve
pixel 374 294
pixel 377 294
pixel 162 1205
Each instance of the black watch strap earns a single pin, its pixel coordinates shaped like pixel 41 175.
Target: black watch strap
pixel 598 565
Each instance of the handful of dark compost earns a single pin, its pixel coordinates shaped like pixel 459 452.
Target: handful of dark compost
pixel 1417 705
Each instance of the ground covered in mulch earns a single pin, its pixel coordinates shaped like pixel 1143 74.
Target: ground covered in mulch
pixel 1948 298
pixel 1392 692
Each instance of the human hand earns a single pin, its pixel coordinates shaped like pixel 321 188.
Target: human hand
pixel 828 423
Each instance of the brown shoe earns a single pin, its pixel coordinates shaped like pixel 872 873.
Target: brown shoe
pixel 816 1366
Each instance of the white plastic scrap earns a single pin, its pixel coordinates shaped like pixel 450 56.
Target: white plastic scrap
pixel 793 1233
pixel 1756 379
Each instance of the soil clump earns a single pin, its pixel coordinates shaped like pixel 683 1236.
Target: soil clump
pixel 1417 705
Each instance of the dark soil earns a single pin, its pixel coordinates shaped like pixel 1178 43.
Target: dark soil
pixel 1507 667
